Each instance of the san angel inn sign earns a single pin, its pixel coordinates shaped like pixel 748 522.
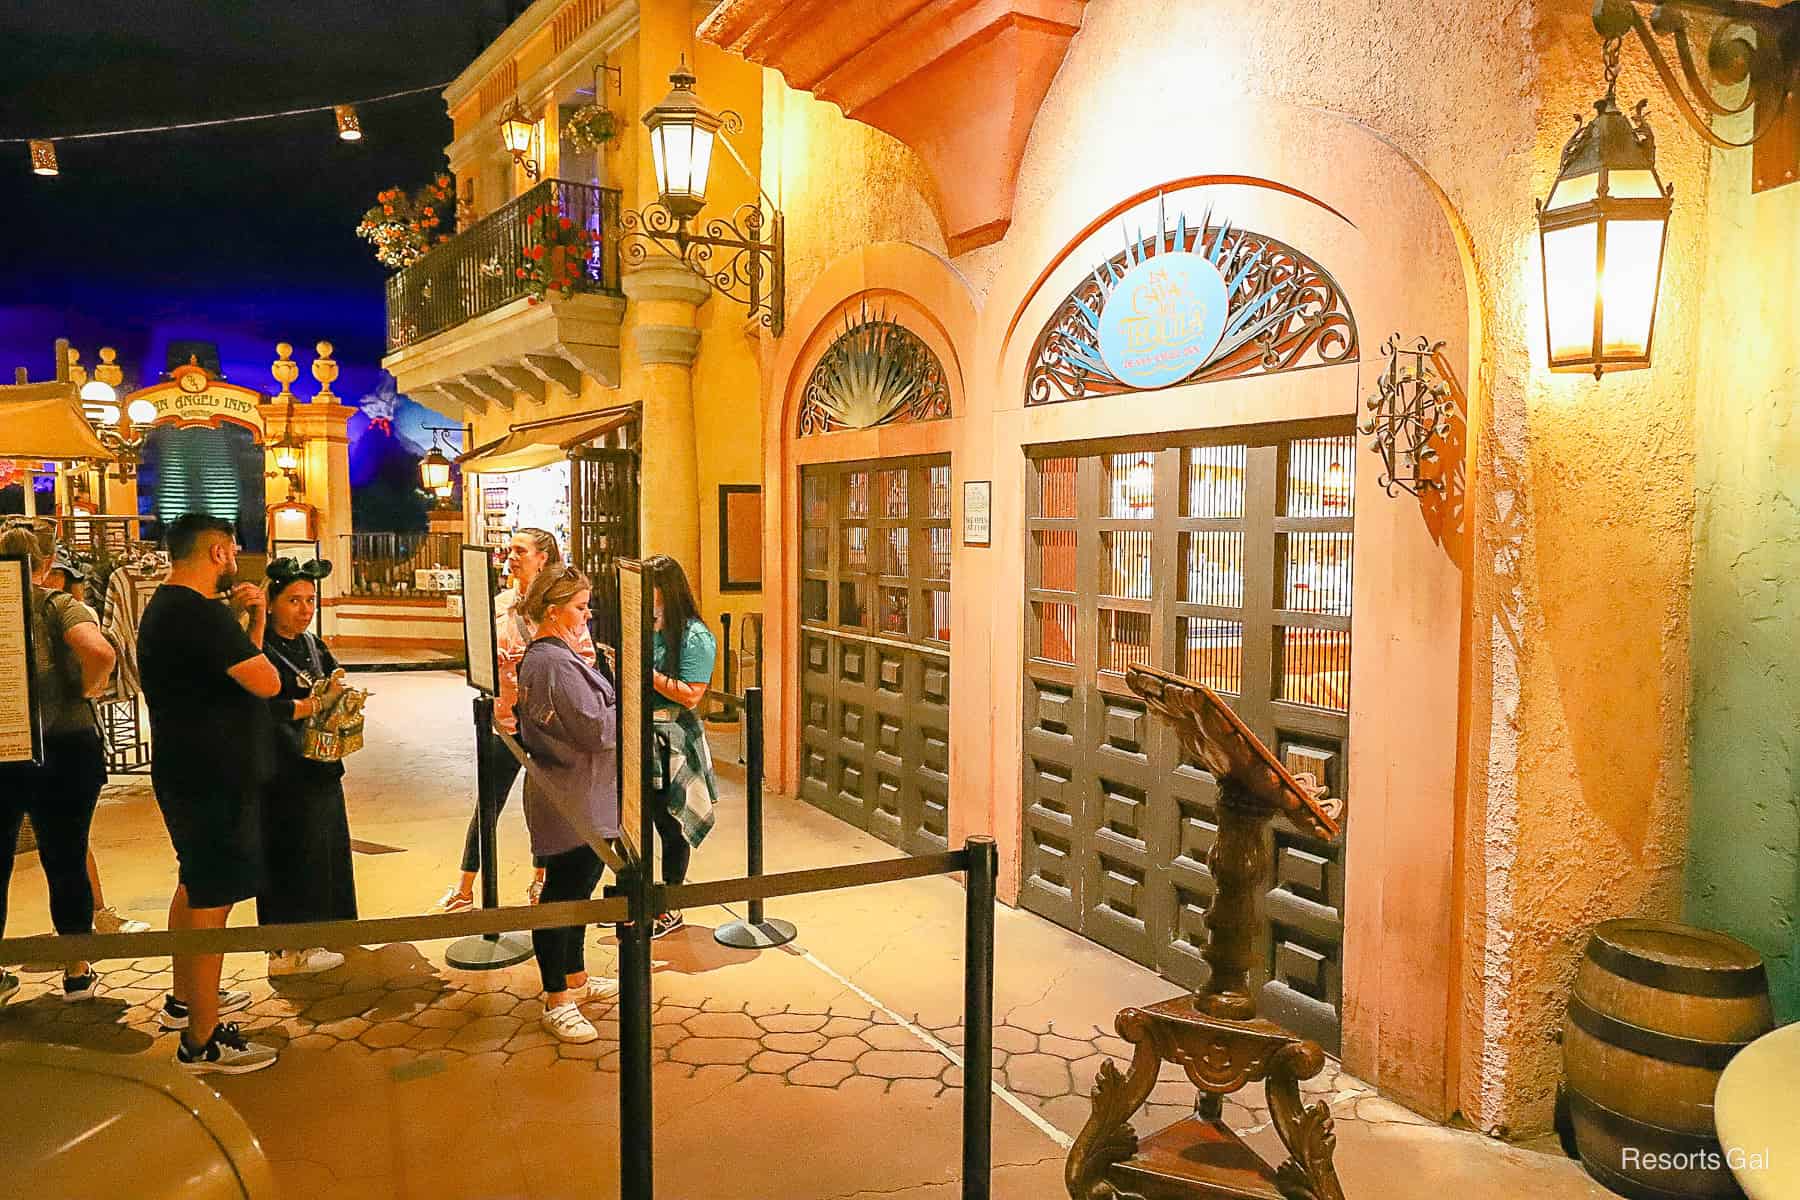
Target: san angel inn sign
pixel 193 397
pixel 1186 304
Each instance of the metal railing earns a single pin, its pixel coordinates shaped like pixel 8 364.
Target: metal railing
pixel 387 564
pixel 478 270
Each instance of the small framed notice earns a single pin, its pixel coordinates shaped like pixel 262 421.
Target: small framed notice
pixel 978 512
pixel 21 738
pixel 479 649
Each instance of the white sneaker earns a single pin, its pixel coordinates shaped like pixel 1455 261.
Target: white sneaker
pixel 108 920
pixel 601 987
pixel 304 962
pixel 453 901
pixel 567 1024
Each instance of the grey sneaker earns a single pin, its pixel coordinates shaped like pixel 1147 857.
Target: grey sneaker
pixel 80 987
pixel 174 1014
pixel 226 1053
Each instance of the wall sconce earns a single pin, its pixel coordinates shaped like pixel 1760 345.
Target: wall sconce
pixel 1753 44
pixel 287 452
pixel 683 133
pixel 124 433
pixel 1410 410
pixel 1601 233
pixel 518 131
pixel 293 521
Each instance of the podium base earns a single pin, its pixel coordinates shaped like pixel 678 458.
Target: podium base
pixel 488 951
pixel 742 935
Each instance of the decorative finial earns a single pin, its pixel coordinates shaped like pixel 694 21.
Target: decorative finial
pixel 77 373
pixel 284 369
pixel 325 371
pixel 109 372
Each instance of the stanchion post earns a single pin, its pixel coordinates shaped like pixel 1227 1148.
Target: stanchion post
pixel 758 933
pixel 978 1019
pixel 636 1118
pixel 487 951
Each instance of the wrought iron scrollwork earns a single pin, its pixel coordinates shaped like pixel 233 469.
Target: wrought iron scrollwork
pixel 1410 412
pixel 739 255
pixel 876 372
pixel 1284 312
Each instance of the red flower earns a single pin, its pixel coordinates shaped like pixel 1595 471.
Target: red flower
pixel 531 218
pixel 387 209
pixel 535 252
pixel 521 272
pixel 567 224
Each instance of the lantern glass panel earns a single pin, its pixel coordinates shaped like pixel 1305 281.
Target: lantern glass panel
pixel 287 457
pixel 141 412
pixel 516 132
pixel 1633 185
pixel 1577 189
pixel 1628 292
pixel 434 473
pixel 1570 259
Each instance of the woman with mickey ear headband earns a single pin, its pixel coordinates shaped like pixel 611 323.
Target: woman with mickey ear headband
pixel 305 830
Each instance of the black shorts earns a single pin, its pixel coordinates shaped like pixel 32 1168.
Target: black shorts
pixel 217 832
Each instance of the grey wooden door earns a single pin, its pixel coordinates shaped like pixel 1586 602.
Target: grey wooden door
pixel 875 647
pixel 1227 561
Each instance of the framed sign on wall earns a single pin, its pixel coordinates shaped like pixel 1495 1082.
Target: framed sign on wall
pixel 977 514
pixel 740 537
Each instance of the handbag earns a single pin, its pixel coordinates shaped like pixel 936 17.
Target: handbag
pixel 335 730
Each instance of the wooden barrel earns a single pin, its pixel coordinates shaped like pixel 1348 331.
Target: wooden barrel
pixel 1658 1010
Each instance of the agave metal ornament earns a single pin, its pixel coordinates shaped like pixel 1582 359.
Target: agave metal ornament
pixel 876 372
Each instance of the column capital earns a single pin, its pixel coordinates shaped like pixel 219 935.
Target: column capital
pixel 676 344
pixel 663 278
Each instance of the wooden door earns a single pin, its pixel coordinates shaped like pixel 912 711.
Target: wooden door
pixel 1228 561
pixel 875 647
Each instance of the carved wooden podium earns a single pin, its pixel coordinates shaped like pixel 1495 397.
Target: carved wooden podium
pixel 1214 1034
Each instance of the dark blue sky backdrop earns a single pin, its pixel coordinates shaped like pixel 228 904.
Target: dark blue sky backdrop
pixel 240 235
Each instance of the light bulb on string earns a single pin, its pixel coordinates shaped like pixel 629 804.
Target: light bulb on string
pixel 349 126
pixel 43 157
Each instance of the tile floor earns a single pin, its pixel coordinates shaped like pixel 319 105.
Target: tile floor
pixel 825 1070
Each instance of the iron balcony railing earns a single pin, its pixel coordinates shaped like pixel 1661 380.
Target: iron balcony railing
pixel 477 271
pixel 388 564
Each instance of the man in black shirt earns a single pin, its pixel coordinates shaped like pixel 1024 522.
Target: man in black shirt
pixel 207 684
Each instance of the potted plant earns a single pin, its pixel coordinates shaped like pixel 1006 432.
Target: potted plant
pixel 556 254
pixel 403 227
pixel 590 127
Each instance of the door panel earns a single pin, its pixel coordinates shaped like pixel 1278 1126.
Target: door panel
pixel 874 638
pixel 1227 561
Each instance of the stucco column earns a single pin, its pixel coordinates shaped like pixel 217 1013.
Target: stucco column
pixel 660 347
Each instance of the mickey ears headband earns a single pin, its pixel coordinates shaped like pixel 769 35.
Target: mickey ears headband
pixel 287 570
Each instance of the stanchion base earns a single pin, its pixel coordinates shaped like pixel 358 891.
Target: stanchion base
pixel 488 951
pixel 742 935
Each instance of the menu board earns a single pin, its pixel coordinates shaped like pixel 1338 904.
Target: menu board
pixel 632 652
pixel 479 650
pixel 21 740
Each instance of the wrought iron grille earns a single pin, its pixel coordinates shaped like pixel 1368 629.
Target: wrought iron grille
pixel 478 270
pixel 1284 312
pixel 603 502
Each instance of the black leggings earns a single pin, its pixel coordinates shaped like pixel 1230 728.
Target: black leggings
pixel 571 875
pixel 60 797
pixel 675 848
pixel 504 770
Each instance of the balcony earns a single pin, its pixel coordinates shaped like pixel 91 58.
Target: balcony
pixel 462 333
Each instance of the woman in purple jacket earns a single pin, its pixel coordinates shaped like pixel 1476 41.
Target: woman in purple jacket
pixel 568 721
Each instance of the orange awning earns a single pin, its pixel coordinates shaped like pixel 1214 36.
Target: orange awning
pixel 539 443
pixel 44 421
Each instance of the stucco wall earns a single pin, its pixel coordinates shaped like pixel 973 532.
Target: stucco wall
pixel 1744 848
pixel 1575 778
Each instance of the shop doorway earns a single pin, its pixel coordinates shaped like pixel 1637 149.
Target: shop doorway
pixel 603 527
pixel 1226 559
pixel 875 646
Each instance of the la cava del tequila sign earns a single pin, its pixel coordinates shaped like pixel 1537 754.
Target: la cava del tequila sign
pixel 1163 319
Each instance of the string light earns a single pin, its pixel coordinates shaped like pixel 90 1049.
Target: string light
pixel 349 126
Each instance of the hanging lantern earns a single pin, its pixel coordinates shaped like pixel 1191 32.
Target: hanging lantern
pixel 1602 232
pixel 517 131
pixel 434 472
pixel 681 143
pixel 1334 490
pixel 43 157
pixel 349 127
pixel 1140 484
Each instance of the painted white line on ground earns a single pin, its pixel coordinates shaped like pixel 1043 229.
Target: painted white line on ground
pixel 1024 1110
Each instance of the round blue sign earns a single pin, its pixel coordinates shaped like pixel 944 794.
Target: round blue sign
pixel 1163 320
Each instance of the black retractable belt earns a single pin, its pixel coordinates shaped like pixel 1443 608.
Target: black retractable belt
pixel 758 933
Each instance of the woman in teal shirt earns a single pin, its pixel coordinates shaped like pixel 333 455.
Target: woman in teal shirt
pixel 682 658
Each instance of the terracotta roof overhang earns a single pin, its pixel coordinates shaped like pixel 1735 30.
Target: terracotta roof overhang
pixel 45 421
pixel 538 443
pixel 958 82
